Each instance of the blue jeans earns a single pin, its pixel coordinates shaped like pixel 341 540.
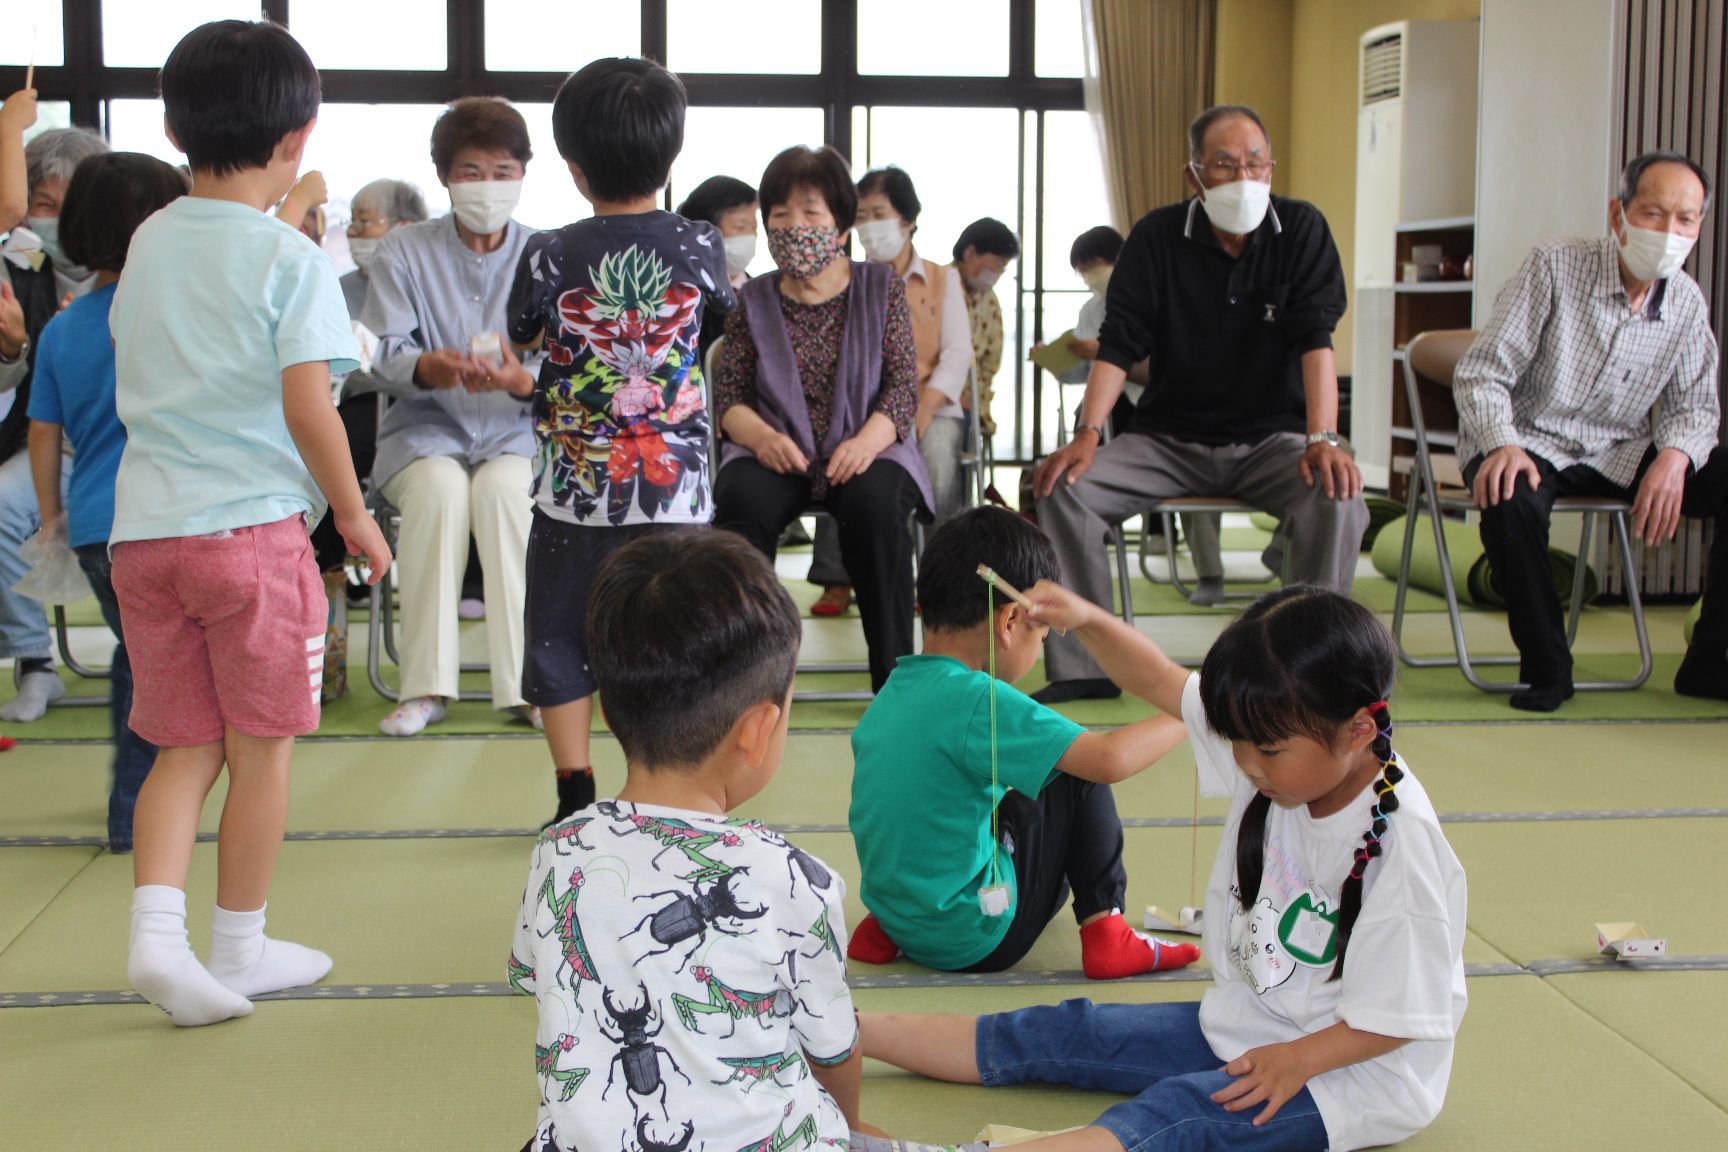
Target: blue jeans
pixel 1154 1052
pixel 133 755
pixel 23 622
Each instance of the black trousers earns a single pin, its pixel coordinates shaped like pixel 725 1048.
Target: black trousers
pixel 1069 838
pixel 1515 536
pixel 360 420
pixel 871 511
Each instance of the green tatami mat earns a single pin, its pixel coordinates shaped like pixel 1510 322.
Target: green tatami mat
pixel 289 1078
pixel 410 1075
pixel 32 879
pixel 476 783
pixel 1677 1018
pixel 1538 890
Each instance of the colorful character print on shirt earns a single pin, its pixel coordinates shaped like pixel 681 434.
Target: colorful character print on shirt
pixel 629 427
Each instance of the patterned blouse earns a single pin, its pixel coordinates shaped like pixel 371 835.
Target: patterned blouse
pixel 985 311
pixel 815 331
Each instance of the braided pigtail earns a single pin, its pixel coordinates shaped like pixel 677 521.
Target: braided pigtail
pixel 1251 850
pixel 1385 803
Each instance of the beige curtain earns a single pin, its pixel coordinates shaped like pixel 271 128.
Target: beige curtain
pixel 1149 72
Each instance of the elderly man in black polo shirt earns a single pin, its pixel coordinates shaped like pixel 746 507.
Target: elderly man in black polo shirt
pixel 1233 295
pixel 1559 397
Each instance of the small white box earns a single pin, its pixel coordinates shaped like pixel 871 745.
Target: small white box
pixel 1426 254
pixel 1629 941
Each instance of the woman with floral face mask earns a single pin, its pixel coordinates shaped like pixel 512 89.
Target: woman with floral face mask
pixel 816 389
pixel 454 450
pixel 36 280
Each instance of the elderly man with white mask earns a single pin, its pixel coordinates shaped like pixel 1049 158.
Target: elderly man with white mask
pixel 455 450
pixel 1556 398
pixel 1233 295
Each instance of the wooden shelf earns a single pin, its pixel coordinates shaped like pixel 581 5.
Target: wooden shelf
pixel 1446 224
pixel 1436 286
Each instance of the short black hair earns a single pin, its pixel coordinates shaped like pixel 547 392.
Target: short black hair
pixel 621 121
pixel 951 595
pixel 988 237
pixel 1100 243
pixel 715 195
pixel 822 170
pixel 232 89
pixel 687 629
pixel 1633 174
pixel 1203 123
pixel 894 183
pixel 489 123
pixel 109 195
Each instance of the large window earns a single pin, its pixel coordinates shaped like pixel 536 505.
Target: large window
pixel 980 102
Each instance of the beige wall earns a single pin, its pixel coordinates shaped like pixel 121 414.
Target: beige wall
pixel 1315 61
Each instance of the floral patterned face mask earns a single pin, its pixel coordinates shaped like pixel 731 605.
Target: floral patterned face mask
pixel 803 250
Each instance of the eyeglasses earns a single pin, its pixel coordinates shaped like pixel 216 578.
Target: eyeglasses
pixel 1229 171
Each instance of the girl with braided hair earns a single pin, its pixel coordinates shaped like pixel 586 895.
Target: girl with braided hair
pixel 1334 915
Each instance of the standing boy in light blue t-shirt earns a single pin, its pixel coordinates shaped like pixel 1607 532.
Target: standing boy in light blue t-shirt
pixel 227 325
pixel 941 831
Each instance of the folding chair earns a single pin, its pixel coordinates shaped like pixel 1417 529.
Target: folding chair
pixel 63 638
pixel 381 627
pixel 1434 356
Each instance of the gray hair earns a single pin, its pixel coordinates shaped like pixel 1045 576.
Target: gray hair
pixel 1633 173
pixel 395 200
pixel 54 154
pixel 1203 123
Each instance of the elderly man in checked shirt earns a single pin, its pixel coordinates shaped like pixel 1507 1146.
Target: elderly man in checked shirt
pixel 1597 376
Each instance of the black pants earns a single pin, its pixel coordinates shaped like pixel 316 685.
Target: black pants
pixel 1515 536
pixel 360 420
pixel 871 511
pixel 1068 838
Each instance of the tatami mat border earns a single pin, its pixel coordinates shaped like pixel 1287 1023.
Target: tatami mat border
pixel 1563 816
pixel 864 983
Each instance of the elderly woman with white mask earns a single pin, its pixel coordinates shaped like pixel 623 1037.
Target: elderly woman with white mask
pixel 37 278
pixel 454 451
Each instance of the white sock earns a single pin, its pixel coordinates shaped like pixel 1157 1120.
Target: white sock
pixel 163 969
pixel 36 690
pixel 251 963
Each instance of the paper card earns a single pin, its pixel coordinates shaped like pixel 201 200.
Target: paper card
pixel 487 348
pixel 1185 921
pixel 1629 941
pixel 1056 357
pixel 1006 1135
pixel 368 342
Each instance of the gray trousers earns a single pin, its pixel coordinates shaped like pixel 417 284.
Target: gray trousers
pixel 1325 535
pixel 940 447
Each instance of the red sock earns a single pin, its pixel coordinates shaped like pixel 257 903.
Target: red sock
pixel 870 945
pixel 1110 950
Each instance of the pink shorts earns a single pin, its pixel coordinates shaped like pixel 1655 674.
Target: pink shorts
pixel 225 630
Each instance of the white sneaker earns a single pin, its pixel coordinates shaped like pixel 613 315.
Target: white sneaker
pixel 411 716
pixel 529 715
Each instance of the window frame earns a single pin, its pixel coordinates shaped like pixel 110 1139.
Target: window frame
pixel 87 84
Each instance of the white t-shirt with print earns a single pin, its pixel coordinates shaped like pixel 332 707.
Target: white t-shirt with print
pixel 685 967
pixel 1272 968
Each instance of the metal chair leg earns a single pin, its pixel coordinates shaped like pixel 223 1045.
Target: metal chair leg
pixel 1578 573
pixel 63 639
pixel 1122 579
pixel 1619 527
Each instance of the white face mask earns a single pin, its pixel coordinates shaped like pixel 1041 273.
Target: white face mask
pixel 882 239
pixel 484 206
pixel 361 248
pixel 1098 278
pixel 1652 255
pixel 1239 207
pixel 47 229
pixel 740 250
pixel 986 279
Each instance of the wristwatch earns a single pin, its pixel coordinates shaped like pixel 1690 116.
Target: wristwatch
pixel 23 351
pixel 1326 437
pixel 1079 428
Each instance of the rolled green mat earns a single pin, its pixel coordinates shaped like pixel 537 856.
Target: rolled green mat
pixel 1692 619
pixel 1470 571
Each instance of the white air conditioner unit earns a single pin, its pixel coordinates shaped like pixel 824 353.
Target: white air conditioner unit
pixel 1415 161
pixel 1415 134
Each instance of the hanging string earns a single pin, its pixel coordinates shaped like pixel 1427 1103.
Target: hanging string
pixel 995 787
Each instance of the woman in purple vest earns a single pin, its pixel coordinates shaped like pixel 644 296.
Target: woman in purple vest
pixel 816 387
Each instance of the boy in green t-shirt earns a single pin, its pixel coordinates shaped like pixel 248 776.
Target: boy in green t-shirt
pixel 923 796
